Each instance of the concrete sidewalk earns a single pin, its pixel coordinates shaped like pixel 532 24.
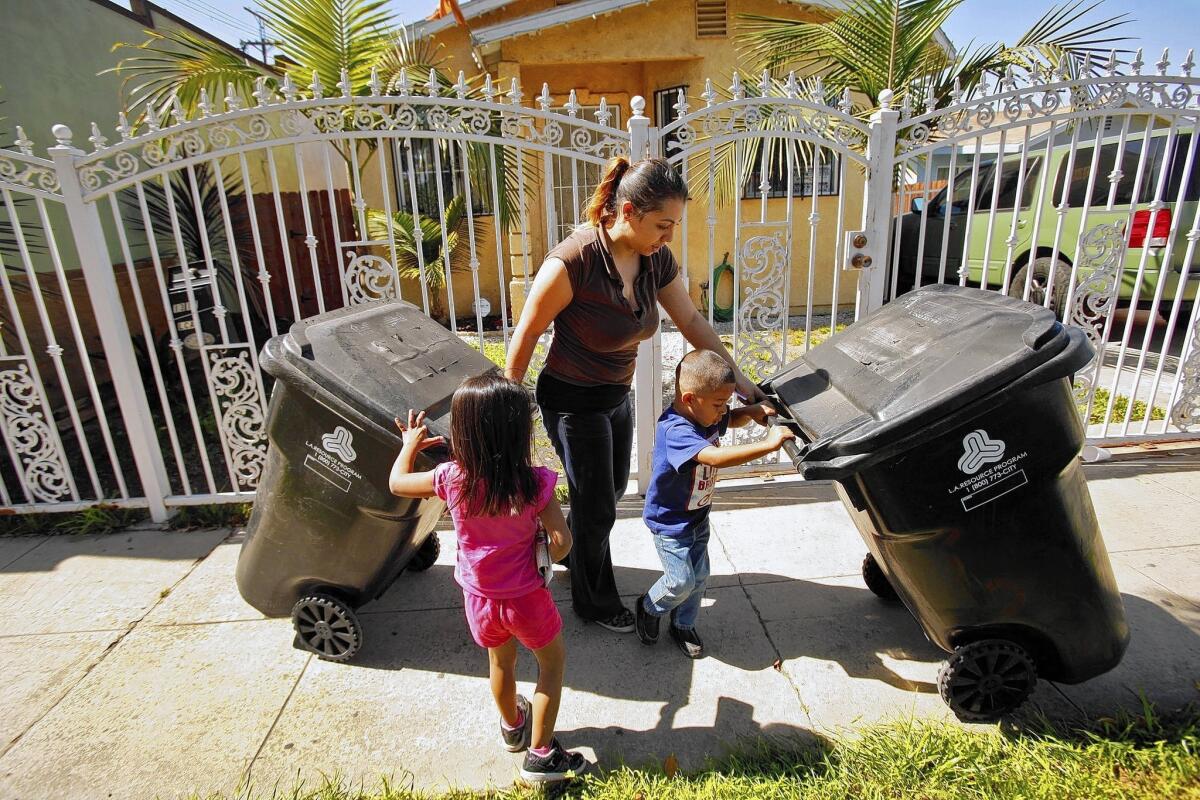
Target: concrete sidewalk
pixel 133 668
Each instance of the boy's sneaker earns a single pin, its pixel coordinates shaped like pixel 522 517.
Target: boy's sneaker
pixel 688 641
pixel 647 623
pixel 558 766
pixel 517 740
pixel 621 622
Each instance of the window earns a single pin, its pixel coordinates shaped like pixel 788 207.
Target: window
pixel 1010 174
pixel 665 113
pixel 712 19
pixel 1081 171
pixel 827 170
pixel 425 174
pixel 576 179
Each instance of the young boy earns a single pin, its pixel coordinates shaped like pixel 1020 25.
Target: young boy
pixel 686 459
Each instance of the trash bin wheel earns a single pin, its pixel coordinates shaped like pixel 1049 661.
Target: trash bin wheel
pixel 982 681
pixel 426 554
pixel 875 580
pixel 327 627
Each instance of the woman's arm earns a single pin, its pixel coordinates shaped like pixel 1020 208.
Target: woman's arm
pixel 550 294
pixel 556 529
pixel 695 328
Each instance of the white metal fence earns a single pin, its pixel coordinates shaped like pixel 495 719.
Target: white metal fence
pixel 142 277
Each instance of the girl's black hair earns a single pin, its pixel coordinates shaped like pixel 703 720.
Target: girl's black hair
pixel 491 428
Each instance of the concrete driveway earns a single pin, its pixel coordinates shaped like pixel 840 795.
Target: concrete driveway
pixel 133 668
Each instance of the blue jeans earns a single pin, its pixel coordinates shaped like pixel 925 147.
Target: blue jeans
pixel 685 574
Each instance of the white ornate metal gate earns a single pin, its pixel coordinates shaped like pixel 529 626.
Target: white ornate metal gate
pixel 134 379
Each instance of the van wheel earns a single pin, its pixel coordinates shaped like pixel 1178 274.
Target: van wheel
pixel 426 554
pixel 1038 275
pixel 876 581
pixel 327 627
pixel 985 680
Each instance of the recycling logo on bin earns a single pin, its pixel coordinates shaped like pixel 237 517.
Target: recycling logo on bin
pixel 340 443
pixel 982 486
pixel 978 451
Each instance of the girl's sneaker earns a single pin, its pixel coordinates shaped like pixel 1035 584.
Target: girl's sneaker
pixel 517 740
pixel 559 765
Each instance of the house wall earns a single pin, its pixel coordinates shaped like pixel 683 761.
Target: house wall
pixel 639 51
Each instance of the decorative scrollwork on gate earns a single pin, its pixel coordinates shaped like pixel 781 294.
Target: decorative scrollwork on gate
pixel 369 278
pixel 37 450
pixel 1103 248
pixel 241 413
pixel 1186 411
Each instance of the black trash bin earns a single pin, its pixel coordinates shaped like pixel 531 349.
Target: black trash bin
pixel 948 422
pixel 326 534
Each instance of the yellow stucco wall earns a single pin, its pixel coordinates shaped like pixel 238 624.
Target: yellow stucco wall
pixel 638 51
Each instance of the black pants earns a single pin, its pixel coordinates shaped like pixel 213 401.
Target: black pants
pixel 594 447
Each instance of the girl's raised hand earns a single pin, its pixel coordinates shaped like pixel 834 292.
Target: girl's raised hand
pixel 415 434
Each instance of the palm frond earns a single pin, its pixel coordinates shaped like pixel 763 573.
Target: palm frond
pixel 329 36
pixel 179 64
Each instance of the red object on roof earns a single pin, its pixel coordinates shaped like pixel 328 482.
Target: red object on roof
pixel 447 7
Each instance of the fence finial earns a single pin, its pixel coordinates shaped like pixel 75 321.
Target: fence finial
pixel 514 92
pixel 681 104
pixel 151 118
pixel 123 128
pixel 738 92
pixel 288 89
pixel 885 99
pixel 261 93
pixel 544 98
pixel 638 104
pixel 819 91
pixel 232 101
pixel 792 88
pixel 318 91
pixel 847 105
pixel 489 91
pixel 1138 62
pixel 460 88
pixel 572 105
pixel 403 86
pixel 177 113
pixel 603 115
pixel 1188 63
pixel 431 84
pixel 23 143
pixel 97 138
pixel 204 105
pixel 1164 62
pixel 344 84
pixel 709 95
pixel 374 84
pixel 62 135
pixel 1111 66
pixel 764 83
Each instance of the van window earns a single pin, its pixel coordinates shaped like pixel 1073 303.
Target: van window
pixel 1179 154
pixel 1130 157
pixel 1009 178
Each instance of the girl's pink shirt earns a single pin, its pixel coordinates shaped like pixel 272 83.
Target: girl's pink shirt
pixel 495 554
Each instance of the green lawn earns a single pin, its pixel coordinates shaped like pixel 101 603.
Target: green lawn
pixel 1136 758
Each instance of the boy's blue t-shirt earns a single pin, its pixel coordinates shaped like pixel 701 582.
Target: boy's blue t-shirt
pixel 680 487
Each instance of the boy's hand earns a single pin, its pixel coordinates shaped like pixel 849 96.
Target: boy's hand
pixel 759 412
pixel 415 434
pixel 778 434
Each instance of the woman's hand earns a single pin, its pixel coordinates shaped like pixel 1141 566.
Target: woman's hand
pixel 415 434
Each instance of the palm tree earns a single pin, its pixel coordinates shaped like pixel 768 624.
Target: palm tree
pixel 875 45
pixel 434 252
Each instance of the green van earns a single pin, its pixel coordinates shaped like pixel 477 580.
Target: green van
pixel 951 220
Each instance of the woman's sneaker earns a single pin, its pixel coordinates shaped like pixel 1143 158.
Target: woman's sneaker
pixel 517 740
pixel 621 622
pixel 559 765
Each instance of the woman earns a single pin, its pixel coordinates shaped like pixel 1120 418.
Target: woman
pixel 602 287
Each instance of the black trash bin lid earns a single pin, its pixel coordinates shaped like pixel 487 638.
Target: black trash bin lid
pixel 380 358
pixel 915 361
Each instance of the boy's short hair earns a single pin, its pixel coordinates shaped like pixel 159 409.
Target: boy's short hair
pixel 702 371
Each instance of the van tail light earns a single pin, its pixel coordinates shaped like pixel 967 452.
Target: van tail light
pixel 1141 223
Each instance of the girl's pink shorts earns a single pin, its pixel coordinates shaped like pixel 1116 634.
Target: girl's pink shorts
pixel 532 618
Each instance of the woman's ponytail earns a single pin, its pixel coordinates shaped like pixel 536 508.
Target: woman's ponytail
pixel 602 208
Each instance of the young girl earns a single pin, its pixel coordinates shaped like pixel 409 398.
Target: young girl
pixel 495 497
